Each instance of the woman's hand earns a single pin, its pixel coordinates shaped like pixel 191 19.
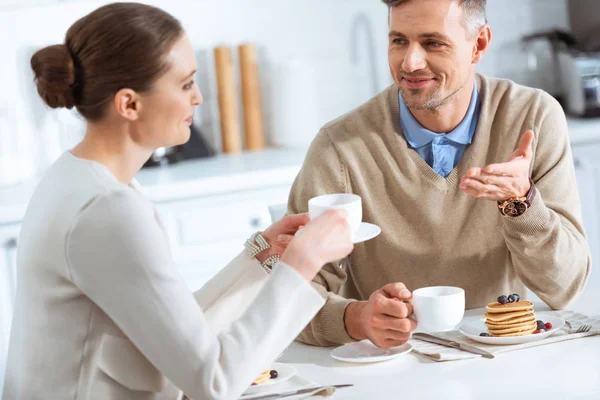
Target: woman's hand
pixel 325 239
pixel 280 234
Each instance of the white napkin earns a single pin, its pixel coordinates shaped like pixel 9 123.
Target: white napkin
pixel 438 352
pixel 295 383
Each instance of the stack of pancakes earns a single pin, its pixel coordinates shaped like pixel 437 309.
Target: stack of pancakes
pixel 265 376
pixel 510 319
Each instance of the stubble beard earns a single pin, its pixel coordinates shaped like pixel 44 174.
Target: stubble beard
pixel 432 103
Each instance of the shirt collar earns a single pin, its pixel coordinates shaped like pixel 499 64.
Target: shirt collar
pixel 418 136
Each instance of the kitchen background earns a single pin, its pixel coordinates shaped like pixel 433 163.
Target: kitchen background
pixel 317 59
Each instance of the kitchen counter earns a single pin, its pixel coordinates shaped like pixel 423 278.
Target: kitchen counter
pixel 223 173
pixel 584 131
pixel 187 179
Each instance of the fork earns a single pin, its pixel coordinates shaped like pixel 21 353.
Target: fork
pixel 580 329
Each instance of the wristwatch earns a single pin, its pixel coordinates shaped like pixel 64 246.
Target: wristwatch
pixel 516 206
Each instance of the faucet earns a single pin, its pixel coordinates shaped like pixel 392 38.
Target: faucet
pixel 361 20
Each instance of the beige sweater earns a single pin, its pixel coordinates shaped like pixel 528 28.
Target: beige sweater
pixel 433 233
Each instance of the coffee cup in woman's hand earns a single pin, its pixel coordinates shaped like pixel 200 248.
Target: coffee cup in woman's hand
pixel 324 239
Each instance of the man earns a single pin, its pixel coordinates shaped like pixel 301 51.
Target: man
pixel 470 178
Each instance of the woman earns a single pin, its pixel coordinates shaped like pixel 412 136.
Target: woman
pixel 101 312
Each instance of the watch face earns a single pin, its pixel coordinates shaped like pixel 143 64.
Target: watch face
pixel 515 208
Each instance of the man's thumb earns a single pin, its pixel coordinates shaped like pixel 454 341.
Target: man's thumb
pixel 526 145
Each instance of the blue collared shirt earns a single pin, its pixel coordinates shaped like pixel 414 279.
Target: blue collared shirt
pixel 442 151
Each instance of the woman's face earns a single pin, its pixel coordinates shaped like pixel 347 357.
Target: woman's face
pixel 166 111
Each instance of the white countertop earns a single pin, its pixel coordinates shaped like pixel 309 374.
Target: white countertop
pixel 564 370
pixel 582 131
pixel 223 173
pixel 191 178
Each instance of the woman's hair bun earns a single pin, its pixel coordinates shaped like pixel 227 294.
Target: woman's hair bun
pixel 54 75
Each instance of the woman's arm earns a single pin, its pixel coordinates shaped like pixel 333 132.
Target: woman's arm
pixel 226 296
pixel 119 257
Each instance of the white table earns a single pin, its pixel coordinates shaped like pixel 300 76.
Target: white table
pixel 565 370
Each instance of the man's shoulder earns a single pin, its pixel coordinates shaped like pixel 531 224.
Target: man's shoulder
pixel 515 97
pixel 370 115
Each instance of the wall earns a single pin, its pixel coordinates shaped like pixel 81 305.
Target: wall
pixel 584 20
pixel 337 46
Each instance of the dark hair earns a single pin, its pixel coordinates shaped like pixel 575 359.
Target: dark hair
pixel 120 45
pixel 475 12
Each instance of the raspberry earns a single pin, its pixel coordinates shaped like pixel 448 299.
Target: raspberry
pixel 548 326
pixel 536 331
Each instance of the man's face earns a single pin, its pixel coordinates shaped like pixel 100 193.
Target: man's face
pixel 430 51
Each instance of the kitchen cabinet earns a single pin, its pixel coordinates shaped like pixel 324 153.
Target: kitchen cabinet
pixel 587 170
pixel 8 285
pixel 205 233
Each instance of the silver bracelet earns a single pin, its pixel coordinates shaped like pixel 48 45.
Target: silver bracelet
pixel 255 244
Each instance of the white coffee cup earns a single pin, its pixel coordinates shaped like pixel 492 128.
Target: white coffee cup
pixel 352 203
pixel 438 308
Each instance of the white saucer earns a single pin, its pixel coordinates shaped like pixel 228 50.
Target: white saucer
pixel 367 352
pixel 284 372
pixel 474 328
pixel 365 232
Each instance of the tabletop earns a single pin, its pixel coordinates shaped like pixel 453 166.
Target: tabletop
pixel 565 370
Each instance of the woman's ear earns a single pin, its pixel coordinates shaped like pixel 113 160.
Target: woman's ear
pixel 128 104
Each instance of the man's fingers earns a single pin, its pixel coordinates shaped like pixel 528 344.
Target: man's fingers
pixel 472 172
pixel 392 307
pixel 396 290
pixel 489 195
pixel 509 169
pixel 471 192
pixel 480 186
pixel 406 325
pixel 493 179
pixel 395 335
pixel 526 144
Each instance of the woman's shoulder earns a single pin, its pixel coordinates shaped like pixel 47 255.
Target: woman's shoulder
pixel 117 207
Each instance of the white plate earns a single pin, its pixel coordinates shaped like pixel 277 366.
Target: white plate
pixel 365 232
pixel 284 372
pixel 367 352
pixel 472 330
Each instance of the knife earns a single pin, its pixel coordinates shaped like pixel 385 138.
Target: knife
pixel 295 392
pixel 450 343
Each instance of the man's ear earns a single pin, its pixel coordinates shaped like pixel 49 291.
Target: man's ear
pixel 482 43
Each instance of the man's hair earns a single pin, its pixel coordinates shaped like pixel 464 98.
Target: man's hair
pixel 474 10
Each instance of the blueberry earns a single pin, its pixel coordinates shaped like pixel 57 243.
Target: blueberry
pixel 516 297
pixel 484 334
pixel 274 374
pixel 502 299
pixel 540 324
pixel 511 298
